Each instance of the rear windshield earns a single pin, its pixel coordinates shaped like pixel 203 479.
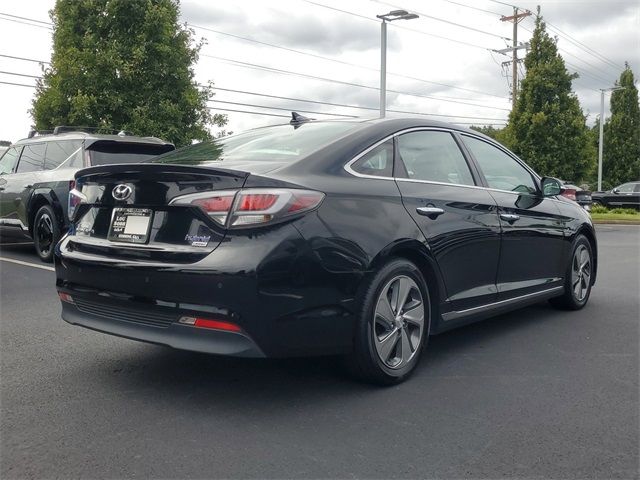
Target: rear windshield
pixel 109 152
pixel 280 143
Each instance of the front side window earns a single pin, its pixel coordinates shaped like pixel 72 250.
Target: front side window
pixel 378 162
pixel 32 158
pixel 67 153
pixel 434 156
pixel 501 171
pixel 9 160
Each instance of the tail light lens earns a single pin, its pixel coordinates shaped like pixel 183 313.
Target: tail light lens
pixel 569 193
pixel 252 207
pixel 76 197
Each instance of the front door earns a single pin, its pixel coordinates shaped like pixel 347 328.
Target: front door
pixel 458 219
pixel 532 249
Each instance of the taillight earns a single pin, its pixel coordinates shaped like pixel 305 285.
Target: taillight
pixel 569 193
pixel 76 197
pixel 252 207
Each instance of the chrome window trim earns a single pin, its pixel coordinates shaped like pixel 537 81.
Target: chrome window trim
pixel 348 169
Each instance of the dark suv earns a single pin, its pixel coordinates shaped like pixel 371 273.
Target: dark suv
pixel 36 175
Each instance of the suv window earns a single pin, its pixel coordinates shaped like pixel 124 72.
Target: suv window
pixel 106 152
pixel 67 152
pixel 501 171
pixel 378 162
pixel 626 188
pixel 9 160
pixel 434 156
pixel 32 158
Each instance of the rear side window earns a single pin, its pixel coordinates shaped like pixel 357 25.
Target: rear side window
pixel 501 171
pixel 32 158
pixel 378 162
pixel 434 156
pixel 67 153
pixel 110 152
pixel 9 160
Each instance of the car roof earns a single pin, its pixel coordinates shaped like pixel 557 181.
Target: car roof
pixel 92 137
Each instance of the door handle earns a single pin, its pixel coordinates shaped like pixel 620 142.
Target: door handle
pixel 432 212
pixel 509 217
pixel 1 189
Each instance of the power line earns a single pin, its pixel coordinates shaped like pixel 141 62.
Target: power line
pixel 438 19
pixel 18 84
pixel 23 23
pixel 25 18
pixel 19 74
pixel 23 58
pixel 347 105
pixel 320 57
pixel 253 113
pixel 341 82
pixel 282 108
pixel 248 39
pixel 408 29
pixel 473 8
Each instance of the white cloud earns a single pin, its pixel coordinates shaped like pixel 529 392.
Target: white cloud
pixel 297 24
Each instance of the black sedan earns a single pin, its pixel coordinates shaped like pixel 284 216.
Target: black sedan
pixel 357 238
pixel 626 195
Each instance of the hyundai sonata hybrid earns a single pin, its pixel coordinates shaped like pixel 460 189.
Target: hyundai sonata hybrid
pixel 357 238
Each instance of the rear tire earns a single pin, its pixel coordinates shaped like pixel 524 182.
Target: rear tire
pixel 46 233
pixel 578 277
pixel 393 324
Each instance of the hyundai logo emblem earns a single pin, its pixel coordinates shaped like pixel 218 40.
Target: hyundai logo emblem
pixel 121 192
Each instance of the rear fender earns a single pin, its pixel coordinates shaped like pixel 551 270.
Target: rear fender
pixel 46 196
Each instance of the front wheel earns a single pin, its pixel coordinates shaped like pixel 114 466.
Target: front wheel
pixel 46 233
pixel 578 277
pixel 393 324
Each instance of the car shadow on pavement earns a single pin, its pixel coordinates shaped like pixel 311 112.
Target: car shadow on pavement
pixel 225 382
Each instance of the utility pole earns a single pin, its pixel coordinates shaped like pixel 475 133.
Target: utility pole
pixel 601 136
pixel 515 18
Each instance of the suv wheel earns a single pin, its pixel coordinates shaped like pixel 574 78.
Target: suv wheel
pixel 393 324
pixel 46 233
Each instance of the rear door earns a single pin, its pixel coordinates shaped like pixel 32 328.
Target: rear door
pixel 20 185
pixel 458 219
pixel 532 249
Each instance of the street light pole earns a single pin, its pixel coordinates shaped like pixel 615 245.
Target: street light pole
pixel 388 17
pixel 601 139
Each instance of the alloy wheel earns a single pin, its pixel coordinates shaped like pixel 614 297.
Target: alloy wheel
pixel 44 233
pixel 581 273
pixel 399 321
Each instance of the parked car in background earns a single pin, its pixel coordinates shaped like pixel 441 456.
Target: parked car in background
pixel 356 237
pixel 577 194
pixel 36 175
pixel 626 195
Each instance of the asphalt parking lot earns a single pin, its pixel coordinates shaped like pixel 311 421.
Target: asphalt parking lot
pixel 533 394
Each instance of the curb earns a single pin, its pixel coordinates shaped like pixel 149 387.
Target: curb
pixel 616 222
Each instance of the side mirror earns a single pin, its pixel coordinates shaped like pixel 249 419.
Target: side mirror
pixel 615 190
pixel 550 186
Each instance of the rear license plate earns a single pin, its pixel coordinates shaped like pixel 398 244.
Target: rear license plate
pixel 130 225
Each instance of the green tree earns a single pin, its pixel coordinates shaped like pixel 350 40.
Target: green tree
pixel 621 149
pixel 547 126
pixel 124 64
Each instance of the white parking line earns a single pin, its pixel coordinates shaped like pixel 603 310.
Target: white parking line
pixel 28 264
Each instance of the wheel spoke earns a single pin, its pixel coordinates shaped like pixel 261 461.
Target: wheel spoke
pixel 404 287
pixel 407 350
pixel 387 345
pixel 415 315
pixel 384 311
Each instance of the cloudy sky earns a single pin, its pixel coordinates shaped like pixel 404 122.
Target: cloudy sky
pixel 321 52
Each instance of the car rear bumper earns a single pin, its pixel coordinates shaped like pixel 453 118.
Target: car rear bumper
pixel 176 335
pixel 275 290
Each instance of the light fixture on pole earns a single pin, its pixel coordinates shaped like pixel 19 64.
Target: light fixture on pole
pixel 601 139
pixel 388 17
